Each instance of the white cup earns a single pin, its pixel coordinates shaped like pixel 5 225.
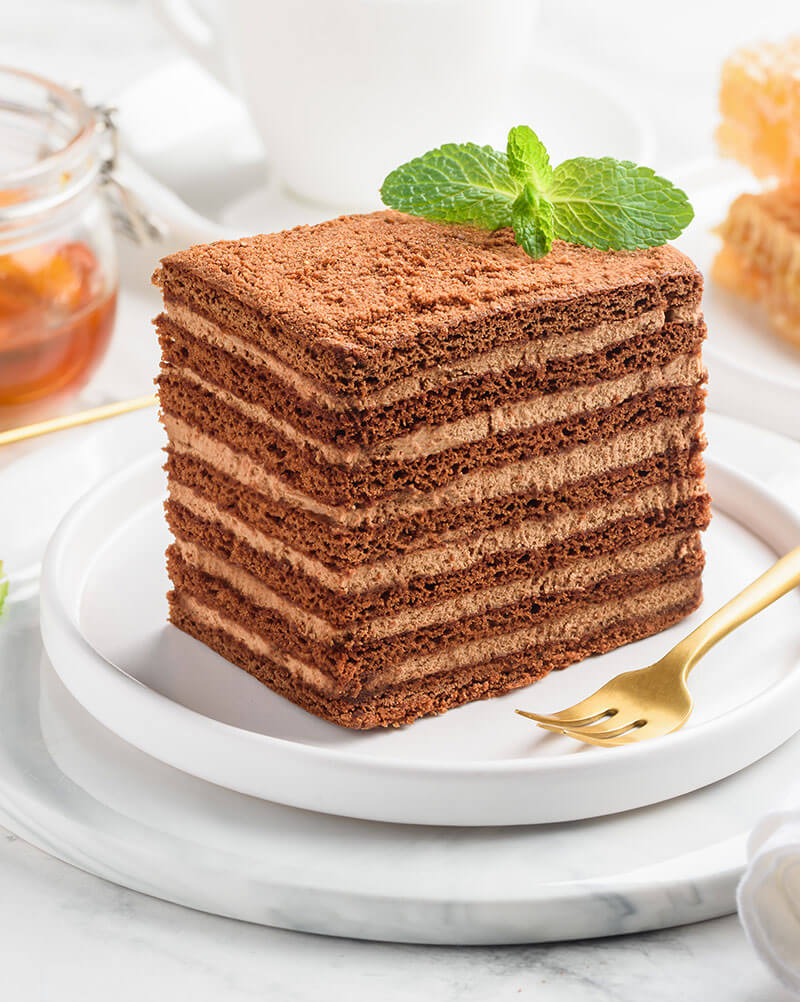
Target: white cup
pixel 343 91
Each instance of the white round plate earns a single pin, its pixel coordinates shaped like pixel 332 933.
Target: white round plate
pixel 754 375
pixel 70 787
pixel 103 621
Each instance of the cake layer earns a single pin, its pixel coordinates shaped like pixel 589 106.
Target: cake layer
pixel 431 439
pixel 346 608
pixel 340 547
pixel 432 435
pixel 304 472
pixel 456 553
pixel 347 655
pixel 510 358
pixel 360 301
pixel 573 621
pixel 540 473
pixel 351 435
pixel 603 629
pixel 194 562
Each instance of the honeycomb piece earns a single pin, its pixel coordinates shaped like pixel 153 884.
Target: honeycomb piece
pixel 760 256
pixel 760 105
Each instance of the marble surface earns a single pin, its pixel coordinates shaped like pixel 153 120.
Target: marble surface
pixel 76 790
pixel 66 935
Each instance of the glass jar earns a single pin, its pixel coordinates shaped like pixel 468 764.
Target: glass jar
pixel 58 270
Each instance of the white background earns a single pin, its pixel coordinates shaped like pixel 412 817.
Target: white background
pixel 67 936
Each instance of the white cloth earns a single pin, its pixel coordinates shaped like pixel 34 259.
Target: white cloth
pixel 768 897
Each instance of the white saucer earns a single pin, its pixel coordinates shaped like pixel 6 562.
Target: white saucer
pixel 70 787
pixel 103 623
pixel 195 140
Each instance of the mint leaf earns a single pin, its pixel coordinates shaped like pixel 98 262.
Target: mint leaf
pixel 606 203
pixel 532 219
pixel 527 157
pixel 615 205
pixel 456 183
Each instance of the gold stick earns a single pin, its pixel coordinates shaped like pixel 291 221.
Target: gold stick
pixel 73 420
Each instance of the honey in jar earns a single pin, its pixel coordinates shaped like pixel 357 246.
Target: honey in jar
pixel 58 275
pixel 56 317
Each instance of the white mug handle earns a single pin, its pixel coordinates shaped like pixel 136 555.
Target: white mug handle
pixel 195 35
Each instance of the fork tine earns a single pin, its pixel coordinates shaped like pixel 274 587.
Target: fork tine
pixel 605 733
pixel 567 717
pixel 617 736
pixel 601 731
pixel 616 722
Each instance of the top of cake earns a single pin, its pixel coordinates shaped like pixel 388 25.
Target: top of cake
pixel 370 282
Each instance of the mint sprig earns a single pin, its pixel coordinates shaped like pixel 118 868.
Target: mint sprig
pixel 605 203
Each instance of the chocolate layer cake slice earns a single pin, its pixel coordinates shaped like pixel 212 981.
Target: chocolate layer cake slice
pixel 410 467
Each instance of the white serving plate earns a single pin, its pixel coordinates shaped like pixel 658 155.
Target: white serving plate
pixel 75 790
pixel 103 621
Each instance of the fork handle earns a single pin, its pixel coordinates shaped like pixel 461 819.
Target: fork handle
pixel 777 581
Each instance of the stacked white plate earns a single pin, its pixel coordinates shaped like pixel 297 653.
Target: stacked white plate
pixel 136 754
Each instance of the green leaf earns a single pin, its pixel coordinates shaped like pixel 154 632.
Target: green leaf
pixel 532 219
pixel 3 588
pixel 615 205
pixel 527 157
pixel 456 183
pixel 609 204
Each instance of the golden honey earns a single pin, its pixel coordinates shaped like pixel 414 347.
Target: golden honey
pixel 56 317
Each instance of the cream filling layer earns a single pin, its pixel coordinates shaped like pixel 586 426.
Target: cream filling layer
pixel 578 623
pixel 685 370
pixel 543 473
pixel 458 555
pixel 577 576
pixel 583 622
pixel 529 354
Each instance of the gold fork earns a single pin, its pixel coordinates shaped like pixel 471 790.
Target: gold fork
pixel 653 701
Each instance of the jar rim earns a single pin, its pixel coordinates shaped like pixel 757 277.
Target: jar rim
pixel 60 172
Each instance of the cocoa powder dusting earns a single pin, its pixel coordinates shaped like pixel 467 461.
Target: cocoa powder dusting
pixel 370 279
